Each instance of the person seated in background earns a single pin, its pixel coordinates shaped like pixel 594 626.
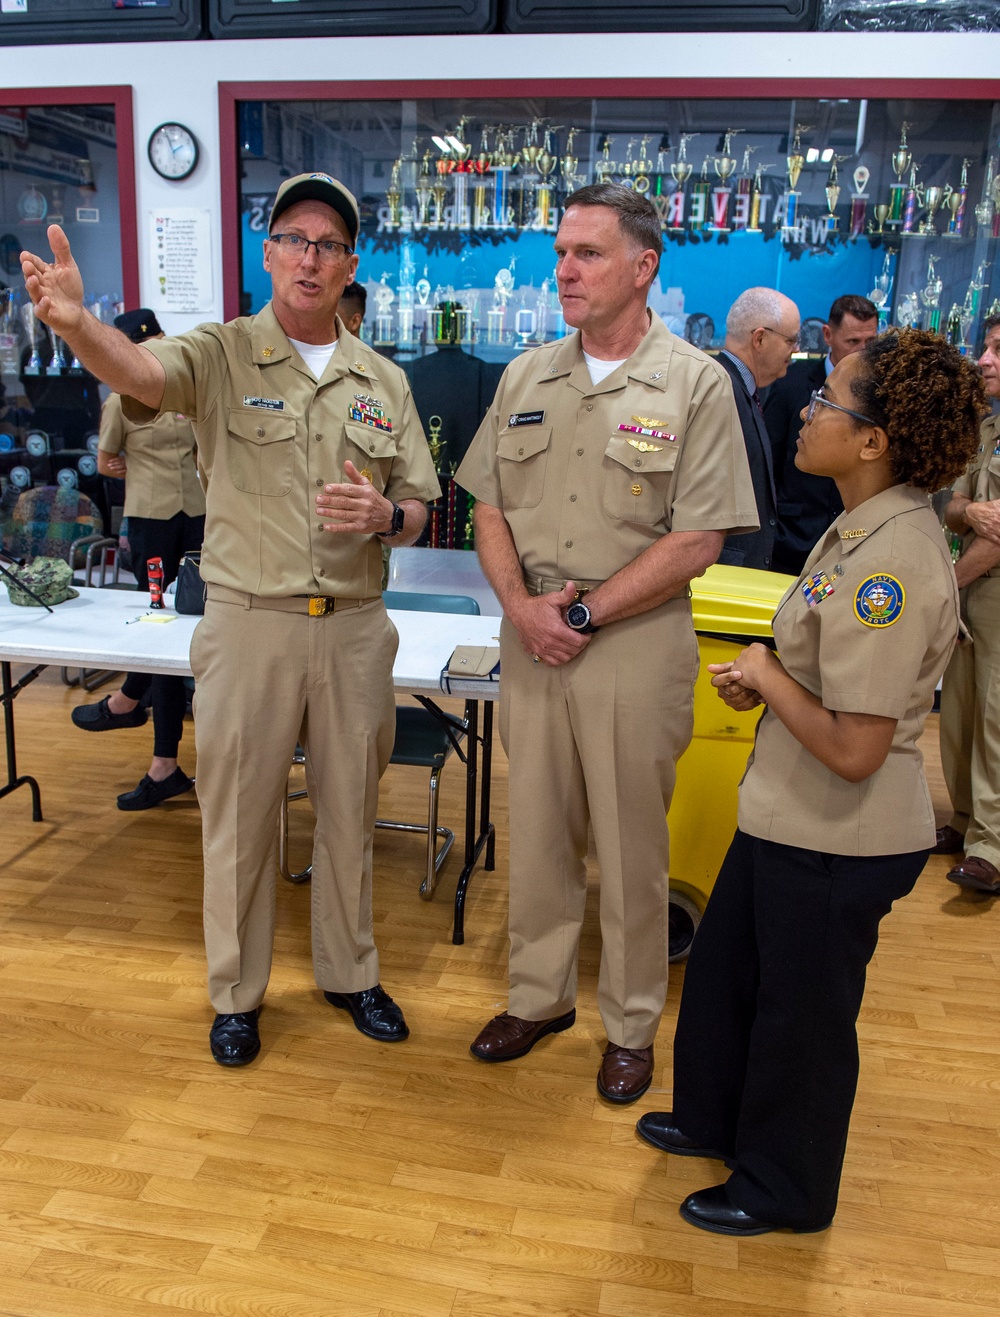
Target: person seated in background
pixel 807 503
pixel 835 819
pixel 165 510
pixel 352 306
pixel 762 332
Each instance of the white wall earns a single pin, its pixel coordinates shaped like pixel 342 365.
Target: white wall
pixel 178 80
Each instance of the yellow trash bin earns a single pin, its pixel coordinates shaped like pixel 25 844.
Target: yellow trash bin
pixel 732 606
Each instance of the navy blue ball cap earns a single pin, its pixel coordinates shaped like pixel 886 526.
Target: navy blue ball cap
pixel 318 187
pixel 138 325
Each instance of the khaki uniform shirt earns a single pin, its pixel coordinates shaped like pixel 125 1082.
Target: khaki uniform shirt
pixel 981 482
pixel 270 436
pixel 162 478
pixel 583 489
pixel 868 628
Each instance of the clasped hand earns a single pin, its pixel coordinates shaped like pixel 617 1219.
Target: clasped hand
pixel 738 682
pixel 356 507
pixel 541 625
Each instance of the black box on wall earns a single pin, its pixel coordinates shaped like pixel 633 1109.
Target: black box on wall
pixel 57 22
pixel 659 16
pixel 342 18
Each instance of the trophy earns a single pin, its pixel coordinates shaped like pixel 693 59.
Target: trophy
pixel 525 325
pixel 542 309
pixel 407 297
pixel 545 162
pixel 794 162
pixel 34 364
pixel 882 215
pixel 425 182
pixel 394 197
pixel 680 171
pixel 481 167
pixel 461 151
pixel 440 194
pixel 434 441
pixel 505 160
pixel 724 167
pixel 758 201
pixel 883 284
pixel 503 286
pixel 859 202
pixel 605 167
pixel 569 163
pixel 744 187
pixel 58 365
pixel 384 298
pixel 913 198
pixel 699 200
pixel 955 202
pixel 930 295
pixel 642 169
pixel 984 211
pixel 953 326
pixel 901 160
pixel 933 197
pixel 832 190
pixel 908 314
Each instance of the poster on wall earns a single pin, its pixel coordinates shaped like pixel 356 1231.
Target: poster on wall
pixel 180 260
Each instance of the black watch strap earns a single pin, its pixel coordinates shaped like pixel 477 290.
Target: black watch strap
pixel 398 517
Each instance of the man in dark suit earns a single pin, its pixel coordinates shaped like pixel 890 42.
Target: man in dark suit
pixel 762 332
pixel 807 504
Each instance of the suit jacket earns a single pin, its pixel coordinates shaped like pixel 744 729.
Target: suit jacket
pixel 807 504
pixel 756 549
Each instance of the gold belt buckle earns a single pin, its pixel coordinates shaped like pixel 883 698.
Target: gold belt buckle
pixel 320 605
pixel 584 589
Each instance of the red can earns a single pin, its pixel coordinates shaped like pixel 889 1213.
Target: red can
pixel 154 571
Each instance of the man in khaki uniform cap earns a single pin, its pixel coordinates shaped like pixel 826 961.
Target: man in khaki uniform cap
pixel 165 508
pixel 970 692
pixel 295 642
pixel 610 462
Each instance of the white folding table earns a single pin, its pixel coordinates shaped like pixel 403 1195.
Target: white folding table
pixel 115 630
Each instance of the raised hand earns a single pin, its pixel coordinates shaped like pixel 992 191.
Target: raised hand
pixel 57 288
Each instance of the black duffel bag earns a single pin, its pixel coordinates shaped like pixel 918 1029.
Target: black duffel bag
pixel 189 595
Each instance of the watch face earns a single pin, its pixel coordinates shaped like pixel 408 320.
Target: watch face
pixel 578 615
pixel 172 151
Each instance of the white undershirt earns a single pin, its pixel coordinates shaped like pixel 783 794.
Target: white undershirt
pixel 600 369
pixel 315 355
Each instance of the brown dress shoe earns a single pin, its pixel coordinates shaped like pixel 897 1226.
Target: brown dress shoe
pixel 507 1037
pixel 978 874
pixel 949 841
pixel 625 1073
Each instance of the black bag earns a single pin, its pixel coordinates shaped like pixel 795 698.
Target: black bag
pixel 189 596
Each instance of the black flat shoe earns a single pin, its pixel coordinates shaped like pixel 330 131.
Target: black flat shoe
pixel 235 1039
pixel 374 1013
pixel 710 1209
pixel 658 1128
pixel 149 793
pixel 99 718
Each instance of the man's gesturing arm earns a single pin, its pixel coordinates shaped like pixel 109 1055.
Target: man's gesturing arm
pixel 57 292
pixel 538 618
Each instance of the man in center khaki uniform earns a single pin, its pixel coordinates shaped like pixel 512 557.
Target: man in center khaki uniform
pixel 611 462
pixel 295 643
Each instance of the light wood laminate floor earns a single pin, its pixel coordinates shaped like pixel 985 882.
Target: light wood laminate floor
pixel 337 1177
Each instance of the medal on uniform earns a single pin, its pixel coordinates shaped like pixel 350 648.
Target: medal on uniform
pixel 369 411
pixel 816 588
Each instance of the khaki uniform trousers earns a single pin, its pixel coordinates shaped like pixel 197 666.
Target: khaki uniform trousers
pixel 596 741
pixel 265 680
pixel 970 723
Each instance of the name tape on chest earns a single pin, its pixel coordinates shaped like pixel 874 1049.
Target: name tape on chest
pixel 267 404
pixel 524 418
pixel 816 588
pixel 880 600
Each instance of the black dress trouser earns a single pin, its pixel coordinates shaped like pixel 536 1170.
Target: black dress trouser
pixel 169 539
pixel 766 1049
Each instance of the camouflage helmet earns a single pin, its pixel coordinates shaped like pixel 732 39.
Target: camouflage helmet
pixel 48 578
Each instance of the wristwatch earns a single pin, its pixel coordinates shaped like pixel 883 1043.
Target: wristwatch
pixel 578 618
pixel 398 517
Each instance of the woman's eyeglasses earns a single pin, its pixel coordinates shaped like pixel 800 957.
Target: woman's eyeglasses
pixel 818 399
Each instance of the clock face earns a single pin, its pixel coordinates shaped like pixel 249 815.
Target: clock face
pixel 172 151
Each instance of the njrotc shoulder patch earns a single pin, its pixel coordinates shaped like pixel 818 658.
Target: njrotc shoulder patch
pixel 816 588
pixel 879 601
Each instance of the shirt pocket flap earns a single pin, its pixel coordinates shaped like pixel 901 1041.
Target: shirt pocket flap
pixel 518 445
pixel 372 442
pixel 627 453
pixel 260 427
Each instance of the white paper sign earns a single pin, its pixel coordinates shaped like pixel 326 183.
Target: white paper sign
pixel 180 260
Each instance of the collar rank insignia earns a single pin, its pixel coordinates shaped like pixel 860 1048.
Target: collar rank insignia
pixel 879 601
pixel 853 534
pixel 369 411
pixel 266 352
pixel 816 588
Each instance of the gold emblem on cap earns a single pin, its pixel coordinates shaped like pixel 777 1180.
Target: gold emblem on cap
pixel 644 447
pixel 366 472
pixel 637 490
pixel 266 352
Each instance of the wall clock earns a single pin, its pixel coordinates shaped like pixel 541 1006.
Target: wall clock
pixel 172 151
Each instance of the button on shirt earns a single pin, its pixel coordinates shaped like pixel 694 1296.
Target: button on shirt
pixel 888 666
pixel 162 478
pixel 270 435
pixel 588 476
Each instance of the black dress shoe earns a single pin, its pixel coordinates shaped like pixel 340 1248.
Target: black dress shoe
pixel 235 1039
pixel 99 718
pixel 948 841
pixel 710 1209
pixel 374 1013
pixel 149 793
pixel 658 1128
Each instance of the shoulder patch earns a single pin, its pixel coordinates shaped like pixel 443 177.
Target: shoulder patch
pixel 879 601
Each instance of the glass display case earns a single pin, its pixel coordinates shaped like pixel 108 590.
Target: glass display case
pixel 66 162
pixel 461 197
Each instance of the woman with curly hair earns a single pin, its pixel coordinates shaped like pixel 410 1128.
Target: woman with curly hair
pixel 835 819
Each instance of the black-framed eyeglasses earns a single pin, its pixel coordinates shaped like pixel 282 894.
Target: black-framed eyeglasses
pixel 791 340
pixel 818 398
pixel 326 248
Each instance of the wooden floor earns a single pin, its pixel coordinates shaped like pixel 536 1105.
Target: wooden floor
pixel 337 1177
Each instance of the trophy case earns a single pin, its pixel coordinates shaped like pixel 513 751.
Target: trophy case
pixel 461 196
pixel 66 162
